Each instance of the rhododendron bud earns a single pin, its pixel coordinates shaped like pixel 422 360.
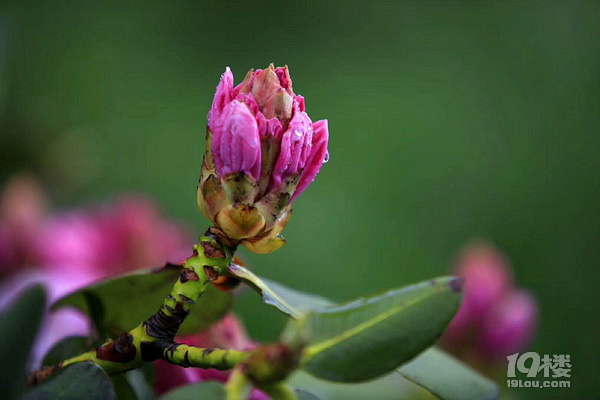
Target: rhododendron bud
pixel 262 152
pixel 488 278
pixel 496 319
pixel 510 326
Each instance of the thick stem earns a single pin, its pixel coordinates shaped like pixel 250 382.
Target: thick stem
pixel 280 391
pixel 238 385
pixel 154 338
pixel 190 356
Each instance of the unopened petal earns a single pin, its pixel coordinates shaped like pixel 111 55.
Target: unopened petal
pixel 222 97
pixel 236 143
pixel 295 148
pixel 317 157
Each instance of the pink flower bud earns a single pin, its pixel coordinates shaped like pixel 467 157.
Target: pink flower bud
pixel 296 145
pixel 236 142
pixel 487 279
pixel 318 156
pixel 259 128
pixel 223 97
pixel 510 326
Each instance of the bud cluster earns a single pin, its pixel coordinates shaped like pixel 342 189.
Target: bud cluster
pixel 262 152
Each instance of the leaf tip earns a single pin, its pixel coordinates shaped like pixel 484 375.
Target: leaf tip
pixel 457 284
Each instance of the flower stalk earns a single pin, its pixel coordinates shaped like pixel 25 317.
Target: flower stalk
pixel 153 339
pixel 262 151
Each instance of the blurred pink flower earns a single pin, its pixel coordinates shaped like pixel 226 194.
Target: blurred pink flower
pixel 69 250
pixel 228 333
pixel 510 326
pixel 22 207
pixel 496 319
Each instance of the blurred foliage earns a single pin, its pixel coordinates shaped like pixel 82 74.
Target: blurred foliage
pixel 449 121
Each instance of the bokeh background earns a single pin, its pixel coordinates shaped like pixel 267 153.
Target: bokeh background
pixel 449 121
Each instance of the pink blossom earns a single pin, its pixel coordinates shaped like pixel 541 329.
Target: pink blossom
pixel 69 250
pixel 510 326
pixel 245 118
pixel 488 278
pixel 496 319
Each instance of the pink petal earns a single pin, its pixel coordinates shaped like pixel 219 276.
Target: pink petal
pixel 316 158
pixel 236 141
pixel 511 325
pixel 295 148
pixel 284 79
pixel 222 97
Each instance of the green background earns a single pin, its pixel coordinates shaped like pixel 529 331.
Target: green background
pixel 449 121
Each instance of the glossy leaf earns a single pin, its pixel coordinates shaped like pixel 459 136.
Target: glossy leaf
pixel 78 381
pixel 18 326
pixel 120 303
pixel 371 336
pixel 448 378
pixel 296 304
pixel 289 301
pixel 389 387
pixel 197 391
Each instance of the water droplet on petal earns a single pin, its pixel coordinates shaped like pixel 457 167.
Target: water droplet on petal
pixel 326 160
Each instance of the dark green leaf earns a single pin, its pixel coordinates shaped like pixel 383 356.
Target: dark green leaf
pixel 289 301
pixel 123 390
pixel 18 327
pixel 126 300
pixel 448 378
pixel 85 381
pixel 371 336
pixel 141 381
pixel 197 391
pixel 67 348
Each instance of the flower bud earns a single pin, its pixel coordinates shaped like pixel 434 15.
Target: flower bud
pixel 487 279
pixel 262 152
pixel 496 319
pixel 510 326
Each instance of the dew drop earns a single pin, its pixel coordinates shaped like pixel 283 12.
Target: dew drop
pixel 326 159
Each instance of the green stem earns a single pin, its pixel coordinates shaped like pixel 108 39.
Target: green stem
pixel 190 356
pixel 154 338
pixel 280 391
pixel 237 386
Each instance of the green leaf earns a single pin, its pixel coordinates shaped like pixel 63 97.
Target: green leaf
pixel 448 378
pixel 78 381
pixel 126 300
pixel 304 395
pixel 141 381
pixel 297 304
pixel 67 348
pixel 197 391
pixel 289 301
pixel 368 337
pixel 123 390
pixel 389 387
pixel 18 327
